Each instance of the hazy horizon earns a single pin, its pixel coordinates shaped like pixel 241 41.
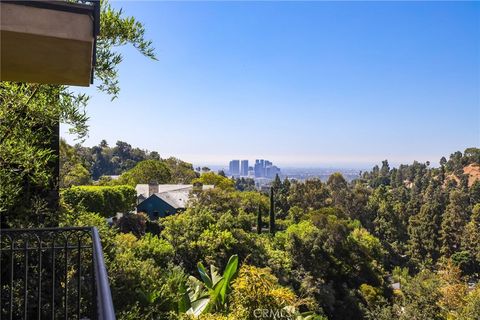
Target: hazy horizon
pixel 311 163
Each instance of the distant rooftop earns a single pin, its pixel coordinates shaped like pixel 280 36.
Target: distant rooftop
pixel 177 199
pixel 168 187
pixel 176 195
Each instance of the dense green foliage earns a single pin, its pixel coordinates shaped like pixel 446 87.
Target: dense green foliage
pixel 219 181
pixel 72 171
pixel 337 249
pixel 337 246
pixel 29 114
pixel 105 160
pixel 133 165
pixel 148 171
pixel 104 200
pixel 245 184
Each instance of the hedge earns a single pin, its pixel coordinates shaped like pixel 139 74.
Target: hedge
pixel 105 200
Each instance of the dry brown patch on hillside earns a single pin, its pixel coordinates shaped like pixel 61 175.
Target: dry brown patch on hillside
pixel 473 171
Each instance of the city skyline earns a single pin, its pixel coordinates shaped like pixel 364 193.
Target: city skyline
pixel 261 168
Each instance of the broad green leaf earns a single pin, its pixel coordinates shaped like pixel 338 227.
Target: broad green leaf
pixel 197 289
pixel 203 274
pixel 198 307
pixel 228 274
pixel 149 297
pixel 215 276
pixel 214 294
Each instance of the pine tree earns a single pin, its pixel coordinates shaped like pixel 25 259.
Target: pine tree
pixel 454 220
pixel 424 226
pixel 442 174
pixel 277 183
pixel 282 203
pixel 423 244
pixel 386 223
pixel 471 236
pixel 475 193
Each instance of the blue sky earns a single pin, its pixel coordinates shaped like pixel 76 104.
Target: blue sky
pixel 300 83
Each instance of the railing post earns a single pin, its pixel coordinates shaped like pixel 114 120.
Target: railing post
pixel 104 297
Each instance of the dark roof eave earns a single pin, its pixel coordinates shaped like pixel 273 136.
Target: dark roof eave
pixel 92 9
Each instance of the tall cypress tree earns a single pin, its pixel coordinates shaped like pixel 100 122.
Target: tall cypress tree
pixel 272 212
pixel 259 220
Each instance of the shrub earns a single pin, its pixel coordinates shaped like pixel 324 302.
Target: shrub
pixel 105 200
pixel 147 171
pixel 143 284
pixel 257 288
pixel 134 223
pixel 471 309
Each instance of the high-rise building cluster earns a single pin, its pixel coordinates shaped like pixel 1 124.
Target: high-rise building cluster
pixel 234 168
pixel 244 168
pixel 261 169
pixel 265 169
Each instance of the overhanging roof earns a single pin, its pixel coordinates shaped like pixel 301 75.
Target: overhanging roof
pixel 48 41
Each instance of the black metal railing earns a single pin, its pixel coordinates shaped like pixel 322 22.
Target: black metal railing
pixel 53 273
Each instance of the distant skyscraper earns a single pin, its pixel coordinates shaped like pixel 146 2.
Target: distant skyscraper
pixel 272 171
pixel 265 169
pixel 244 168
pixel 258 168
pixel 234 168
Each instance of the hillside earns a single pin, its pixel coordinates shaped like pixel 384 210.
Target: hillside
pixel 473 172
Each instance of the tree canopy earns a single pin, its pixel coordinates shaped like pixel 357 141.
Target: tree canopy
pixel 30 115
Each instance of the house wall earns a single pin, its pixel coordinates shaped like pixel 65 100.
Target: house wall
pixel 154 204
